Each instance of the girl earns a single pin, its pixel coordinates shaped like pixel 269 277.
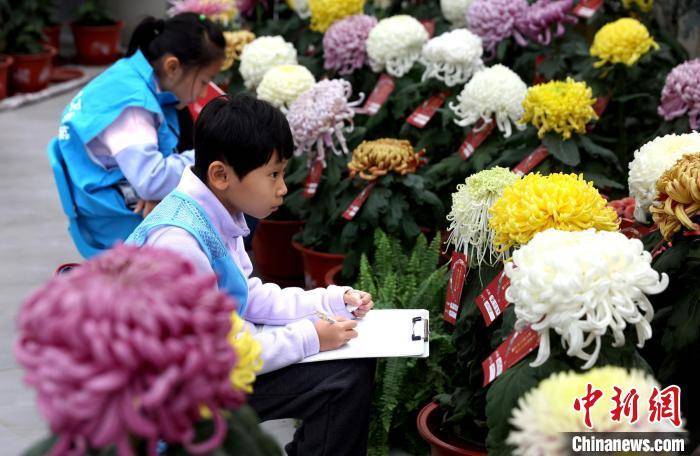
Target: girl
pixel 121 136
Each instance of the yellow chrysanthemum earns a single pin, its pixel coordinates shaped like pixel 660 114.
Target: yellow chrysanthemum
pixel 560 106
pixel 644 5
pixel 372 159
pixel 535 203
pixel 624 41
pixel 325 12
pixel 234 46
pixel 546 412
pixel 248 351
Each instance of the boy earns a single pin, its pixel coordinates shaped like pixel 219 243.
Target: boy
pixel 241 148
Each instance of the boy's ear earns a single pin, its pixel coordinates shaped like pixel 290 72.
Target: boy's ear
pixel 219 175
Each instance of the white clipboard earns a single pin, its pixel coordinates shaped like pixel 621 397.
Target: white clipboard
pixel 385 333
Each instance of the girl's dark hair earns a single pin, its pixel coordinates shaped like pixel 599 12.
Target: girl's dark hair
pixel 242 131
pixel 193 39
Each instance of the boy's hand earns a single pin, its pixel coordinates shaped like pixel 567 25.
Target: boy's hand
pixel 335 335
pixel 362 301
pixel 144 207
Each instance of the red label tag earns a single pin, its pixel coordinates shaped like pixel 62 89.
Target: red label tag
pixel 357 203
pixel 429 25
pixel 459 270
pixel 532 160
pixel 516 347
pixel 380 93
pixel 475 137
pixel 313 178
pixel 600 104
pixel 492 301
pixel 691 233
pixel 587 8
pixel 539 78
pixel 196 106
pixel 422 115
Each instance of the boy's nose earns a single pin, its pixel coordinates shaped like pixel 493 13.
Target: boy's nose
pixel 282 190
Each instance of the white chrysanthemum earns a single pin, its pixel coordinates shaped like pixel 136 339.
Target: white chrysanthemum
pixel 395 44
pixel 283 84
pixel 455 11
pixel 545 413
pixel 452 57
pixel 650 162
pixel 262 54
pixel 301 7
pixel 493 92
pixel 583 284
pixel 469 217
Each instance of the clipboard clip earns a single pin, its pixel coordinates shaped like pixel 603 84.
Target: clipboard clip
pixel 426 329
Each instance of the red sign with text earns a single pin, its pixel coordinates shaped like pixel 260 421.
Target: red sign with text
pixel 516 347
pixel 459 269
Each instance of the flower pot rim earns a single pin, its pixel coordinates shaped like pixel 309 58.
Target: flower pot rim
pixel 428 435
pixel 6 60
pixel 303 249
pixel 329 279
pixel 49 51
pixel 117 24
pixel 281 222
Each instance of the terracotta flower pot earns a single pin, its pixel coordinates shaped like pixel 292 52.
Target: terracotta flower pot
pixel 5 63
pixel 97 44
pixel 317 264
pixel 333 275
pixel 427 423
pixel 275 258
pixel 53 34
pixel 31 72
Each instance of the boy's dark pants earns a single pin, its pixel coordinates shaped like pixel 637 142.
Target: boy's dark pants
pixel 332 398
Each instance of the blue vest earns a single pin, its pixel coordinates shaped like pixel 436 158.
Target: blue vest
pixel 130 82
pixel 178 209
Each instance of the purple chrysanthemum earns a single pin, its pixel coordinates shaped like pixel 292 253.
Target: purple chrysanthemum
pixel 494 20
pixel 320 115
pixel 131 344
pixel 536 22
pixel 681 93
pixel 344 43
pixel 247 7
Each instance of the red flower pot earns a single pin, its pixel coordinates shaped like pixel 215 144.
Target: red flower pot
pixel 53 34
pixel 317 264
pixel 275 258
pixel 332 275
pixel 5 63
pixel 97 44
pixel 427 422
pixel 31 72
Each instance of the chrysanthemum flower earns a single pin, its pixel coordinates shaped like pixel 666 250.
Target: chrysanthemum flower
pixel 131 344
pixel 262 54
pixel 248 351
pixel 679 196
pixel 217 10
pixel 494 20
pixel 538 19
pixel 325 12
pixel 624 41
pixel 560 106
pixel 344 43
pixel 681 93
pixel 395 44
pixel 235 41
pixel 372 159
pixel 582 285
pixel 455 11
pixel 469 217
pixel 644 5
pixel 494 94
pixel 535 203
pixel 301 7
pixel 650 162
pixel 283 84
pixel 545 413
pixel 319 116
pixel 452 57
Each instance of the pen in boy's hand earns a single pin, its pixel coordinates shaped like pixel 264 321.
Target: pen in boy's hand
pixel 325 317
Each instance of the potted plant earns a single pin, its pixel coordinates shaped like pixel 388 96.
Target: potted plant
pixel 96 34
pixel 52 28
pixel 5 62
pixel 24 42
pixel 275 258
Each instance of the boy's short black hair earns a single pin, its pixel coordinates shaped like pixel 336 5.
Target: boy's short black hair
pixel 241 131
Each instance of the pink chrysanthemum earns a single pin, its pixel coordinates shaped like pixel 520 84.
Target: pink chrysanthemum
pixel 207 7
pixel 494 20
pixel 344 43
pixel 681 93
pixel 536 22
pixel 131 344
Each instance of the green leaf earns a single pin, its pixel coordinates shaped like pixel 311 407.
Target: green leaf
pixel 601 181
pixel 599 151
pixel 564 151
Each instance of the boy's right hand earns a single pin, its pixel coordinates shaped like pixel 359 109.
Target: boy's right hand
pixel 335 335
